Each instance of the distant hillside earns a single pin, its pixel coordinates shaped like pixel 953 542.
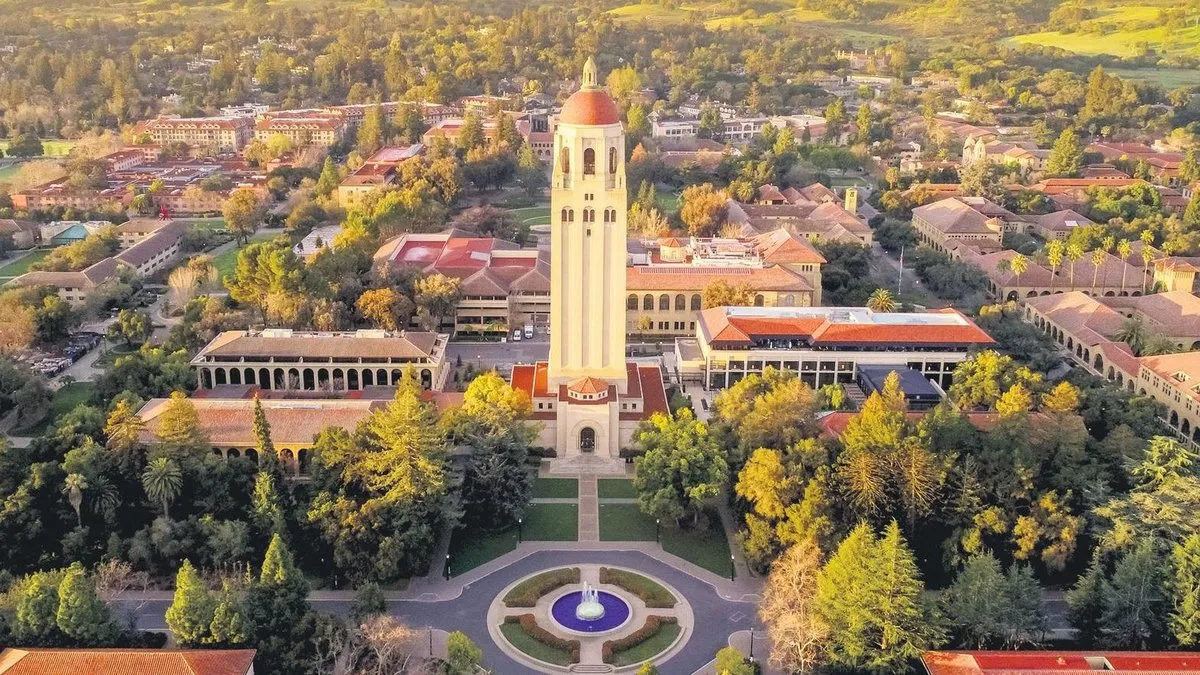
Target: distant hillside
pixel 1122 29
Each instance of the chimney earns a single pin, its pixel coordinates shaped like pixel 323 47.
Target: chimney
pixel 852 200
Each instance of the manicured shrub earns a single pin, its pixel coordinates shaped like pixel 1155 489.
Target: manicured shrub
pixel 651 592
pixel 526 593
pixel 648 630
pixel 532 629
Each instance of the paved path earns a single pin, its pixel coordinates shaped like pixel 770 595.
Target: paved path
pixel 589 509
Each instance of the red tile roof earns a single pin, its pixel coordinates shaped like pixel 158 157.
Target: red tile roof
pixel 744 326
pixel 590 107
pixel 1031 662
pixel 34 661
pixel 695 278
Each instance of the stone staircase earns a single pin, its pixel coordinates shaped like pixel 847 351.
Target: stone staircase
pixel 587 464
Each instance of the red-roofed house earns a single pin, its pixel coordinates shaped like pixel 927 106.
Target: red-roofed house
pixel 824 344
pixel 1062 663
pixel 54 661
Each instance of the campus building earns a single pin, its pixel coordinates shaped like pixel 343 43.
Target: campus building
pixel 220 134
pixel 824 345
pixel 1060 663
pixel 587 396
pixel 296 361
pixel 56 660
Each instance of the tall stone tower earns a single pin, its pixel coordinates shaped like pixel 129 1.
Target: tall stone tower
pixel 587 240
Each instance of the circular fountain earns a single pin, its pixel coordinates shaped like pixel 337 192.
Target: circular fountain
pixel 590 611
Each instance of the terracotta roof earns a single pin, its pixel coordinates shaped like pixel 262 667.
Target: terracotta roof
pixel 1062 221
pixel 87 278
pixel 588 385
pixel 1079 314
pixel 746 326
pixel 780 247
pixel 952 216
pixel 142 225
pixel 770 193
pixel 1175 313
pixel 34 661
pixel 292 344
pixel 1063 663
pixel 695 278
pixel 590 107
pixel 293 422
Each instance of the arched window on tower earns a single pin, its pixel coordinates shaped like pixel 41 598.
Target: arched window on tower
pixel 564 160
pixel 589 162
pixel 565 211
pixel 589 215
pixel 612 160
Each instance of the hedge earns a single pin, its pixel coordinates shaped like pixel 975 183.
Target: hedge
pixel 637 637
pixel 651 592
pixel 533 630
pixel 526 593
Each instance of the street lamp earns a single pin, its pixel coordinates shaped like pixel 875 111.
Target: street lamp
pixel 431 641
pixel 447 567
pixel 656 531
pixel 751 646
pixel 520 530
pixel 732 568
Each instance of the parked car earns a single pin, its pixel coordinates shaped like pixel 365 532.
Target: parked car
pixel 516 335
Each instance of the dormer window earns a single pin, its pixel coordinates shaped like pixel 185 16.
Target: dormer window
pixel 1181 376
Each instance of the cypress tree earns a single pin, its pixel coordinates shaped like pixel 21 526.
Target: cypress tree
pixel 904 626
pixel 230 626
pixel 1085 604
pixel 1135 607
pixel 191 610
pixel 278 607
pixel 82 615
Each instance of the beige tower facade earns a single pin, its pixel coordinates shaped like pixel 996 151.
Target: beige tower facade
pixel 588 239
pixel 587 397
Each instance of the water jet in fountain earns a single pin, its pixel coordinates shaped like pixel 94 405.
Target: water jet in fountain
pixel 590 610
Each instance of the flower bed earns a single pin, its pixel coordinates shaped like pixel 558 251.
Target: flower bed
pixel 526 593
pixel 612 649
pixel 530 627
pixel 651 592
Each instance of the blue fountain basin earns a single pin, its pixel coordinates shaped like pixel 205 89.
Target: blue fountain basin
pixel 616 613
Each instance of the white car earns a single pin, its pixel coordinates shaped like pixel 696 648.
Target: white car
pixel 517 335
pixel 528 332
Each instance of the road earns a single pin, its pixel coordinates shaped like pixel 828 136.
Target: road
pixel 498 354
pixel 716 618
pixel 885 269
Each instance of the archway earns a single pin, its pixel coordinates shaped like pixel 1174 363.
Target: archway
pixel 587 439
pixel 220 376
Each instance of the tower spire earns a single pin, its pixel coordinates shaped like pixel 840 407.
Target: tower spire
pixel 589 74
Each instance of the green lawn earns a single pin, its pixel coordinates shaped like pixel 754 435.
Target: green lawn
pixel 63 402
pixel 207 224
pixel 560 488
pixel 114 352
pixel 668 202
pixel 1167 78
pixel 471 547
pixel 1125 30
pixel 8 173
pixel 625 522
pixel 226 261
pixel 532 215
pixel 518 638
pixel 609 488
pixel 18 267
pixel 552 522
pixel 707 548
pixel 52 147
pixel 647 650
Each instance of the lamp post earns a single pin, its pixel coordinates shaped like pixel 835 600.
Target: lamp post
pixel 431 641
pixel 447 567
pixel 657 539
pixel 732 568
pixel 520 530
pixel 751 646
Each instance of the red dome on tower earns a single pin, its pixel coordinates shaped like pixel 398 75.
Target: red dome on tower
pixel 591 105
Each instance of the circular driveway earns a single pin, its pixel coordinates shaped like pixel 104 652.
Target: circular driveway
pixel 716 618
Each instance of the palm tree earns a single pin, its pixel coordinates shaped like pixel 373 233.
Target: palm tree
pixel 1098 257
pixel 1054 256
pixel 1159 344
pixel 1133 333
pixel 1074 254
pixel 1124 249
pixel 1018 264
pixel 1147 258
pixel 881 300
pixel 162 481
pixel 73 487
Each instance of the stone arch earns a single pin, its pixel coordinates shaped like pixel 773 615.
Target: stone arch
pixel 323 380
pixel 217 452
pixel 381 378
pixel 396 375
pixel 587 439
pixel 235 376
pixel 1174 419
pixel 1098 364
pixel 293 381
pixel 680 302
pixel 287 459
pixel 206 379
pixel 278 378
pixel 1186 428
pixel 1196 434
pixel 303 461
pixel 1070 344
pixel 1031 294
pixel 426 378
pixel 789 300
pixel 352 383
pixel 252 455
pixel 368 378
pixel 234 453
pixel 310 382
pixel 1045 293
pixel 589 162
pixel 1013 295
pixel 1109 294
pixel 248 378
pixel 220 377
pixel 264 378
pixel 337 380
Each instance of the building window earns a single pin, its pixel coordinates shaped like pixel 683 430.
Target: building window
pixel 696 303
pixel 589 162
pixel 564 160
pixel 680 303
pixel 648 302
pixel 759 300
pixel 631 302
pixel 664 302
pixel 612 160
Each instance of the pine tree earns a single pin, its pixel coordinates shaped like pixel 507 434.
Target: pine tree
pixel 976 604
pixel 191 612
pixel 1185 591
pixel 278 608
pixel 1025 620
pixel 122 431
pixel 1066 158
pixel 328 182
pixel 262 430
pixel 1085 604
pixel 230 626
pixel 179 434
pixel 470 135
pixel 372 132
pixel 506 132
pixel 82 616
pixel 904 626
pixel 1135 607
pixel 266 505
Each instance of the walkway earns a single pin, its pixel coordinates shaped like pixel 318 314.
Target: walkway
pixel 589 509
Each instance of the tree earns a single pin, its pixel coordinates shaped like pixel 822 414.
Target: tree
pixel 179 434
pixel 470 135
pixel 191 613
pixel 1066 158
pixel 1185 591
pixel 82 616
pixel 1055 250
pixel 406 460
pixel 230 625
pixel 372 132
pixel 869 594
pixel 37 605
pixel 1018 264
pixel 1085 603
pixel 788 609
pixel 1163 507
pixel 26 145
pixel 327 182
pixel 266 505
pixel 437 295
pixel 243 214
pixel 123 431
pixel 703 209
pixel 976 605
pixel 530 172
pixel 864 124
pixel 731 661
pixel 682 466
pixel 1074 255
pixel 721 293
pixel 277 603
pixel 384 307
pixel 1135 612
pixel 73 487
pixel 462 656
pixel 132 327
pixel 368 601
pixel 163 482
pixel 881 300
pixel 980 381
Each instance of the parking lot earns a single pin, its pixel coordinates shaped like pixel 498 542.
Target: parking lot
pixel 75 348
